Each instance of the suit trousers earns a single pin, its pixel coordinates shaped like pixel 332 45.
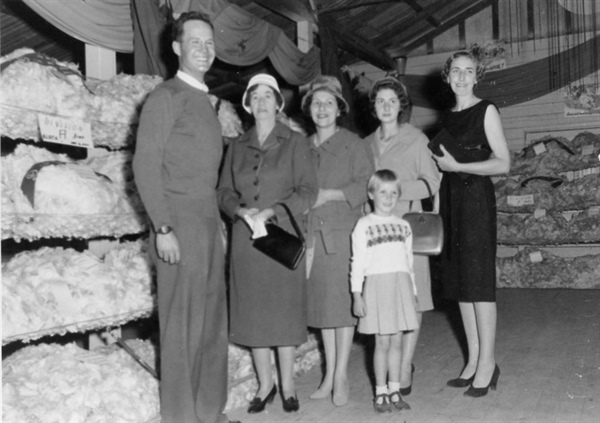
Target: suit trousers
pixel 193 322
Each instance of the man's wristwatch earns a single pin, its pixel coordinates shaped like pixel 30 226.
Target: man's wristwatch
pixel 165 229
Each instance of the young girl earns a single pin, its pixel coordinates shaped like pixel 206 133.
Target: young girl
pixel 382 252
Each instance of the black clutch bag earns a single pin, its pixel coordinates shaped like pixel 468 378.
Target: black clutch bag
pixel 282 246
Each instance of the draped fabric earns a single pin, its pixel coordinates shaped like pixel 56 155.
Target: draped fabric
pixel 518 84
pixel 535 79
pixel 210 7
pixel 295 67
pixel 149 35
pixel 103 23
pixel 241 38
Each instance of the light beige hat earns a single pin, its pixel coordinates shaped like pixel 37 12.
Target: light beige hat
pixel 264 79
pixel 326 83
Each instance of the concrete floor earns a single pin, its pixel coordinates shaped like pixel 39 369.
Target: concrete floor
pixel 548 350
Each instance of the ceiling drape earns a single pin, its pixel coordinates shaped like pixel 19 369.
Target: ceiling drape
pixel 517 84
pixel 149 21
pixel 104 23
pixel 241 38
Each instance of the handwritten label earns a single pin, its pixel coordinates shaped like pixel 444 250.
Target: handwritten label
pixel 539 213
pixel 587 150
pixel 539 148
pixel 568 215
pixel 578 174
pixel 536 257
pixel 520 200
pixel 65 131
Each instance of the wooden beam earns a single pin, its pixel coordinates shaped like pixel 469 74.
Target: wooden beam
pixel 530 20
pixel 294 10
pixel 471 10
pixel 418 8
pixel 332 9
pixel 100 62
pixel 495 21
pixel 462 35
pixel 358 47
pixel 387 37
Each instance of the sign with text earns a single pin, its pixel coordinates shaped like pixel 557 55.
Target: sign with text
pixel 536 257
pixel 520 200
pixel 65 131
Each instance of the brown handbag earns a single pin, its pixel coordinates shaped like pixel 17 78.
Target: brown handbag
pixel 280 245
pixel 427 228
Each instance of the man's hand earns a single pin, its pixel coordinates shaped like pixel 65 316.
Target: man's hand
pixel 167 246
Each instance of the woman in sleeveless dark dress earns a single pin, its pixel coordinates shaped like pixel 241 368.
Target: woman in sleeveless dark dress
pixel 472 146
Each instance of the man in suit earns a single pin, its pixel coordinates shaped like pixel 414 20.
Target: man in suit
pixel 176 163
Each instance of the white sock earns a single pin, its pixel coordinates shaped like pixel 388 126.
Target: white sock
pixel 379 390
pixel 393 386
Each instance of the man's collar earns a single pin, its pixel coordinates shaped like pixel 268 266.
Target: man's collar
pixel 186 77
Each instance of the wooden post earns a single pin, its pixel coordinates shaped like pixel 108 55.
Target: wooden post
pixel 305 35
pixel 100 63
pixel 304 32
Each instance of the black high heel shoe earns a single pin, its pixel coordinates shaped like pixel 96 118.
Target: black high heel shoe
pixel 406 391
pixel 460 382
pixel 257 405
pixel 480 392
pixel 290 404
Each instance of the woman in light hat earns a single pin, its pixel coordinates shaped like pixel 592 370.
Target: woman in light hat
pixel 268 164
pixel 344 165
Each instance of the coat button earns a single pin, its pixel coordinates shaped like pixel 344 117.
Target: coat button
pixel 255 182
pixel 256 156
pixel 256 198
pixel 255 168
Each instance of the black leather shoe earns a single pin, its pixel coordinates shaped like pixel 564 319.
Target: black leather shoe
pixel 257 405
pixel 406 391
pixel 397 401
pixel 460 382
pixel 290 404
pixel 480 392
pixel 384 406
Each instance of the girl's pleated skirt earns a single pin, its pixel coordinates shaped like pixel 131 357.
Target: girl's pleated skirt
pixel 391 304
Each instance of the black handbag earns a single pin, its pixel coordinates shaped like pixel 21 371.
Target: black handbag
pixel 280 245
pixel 427 229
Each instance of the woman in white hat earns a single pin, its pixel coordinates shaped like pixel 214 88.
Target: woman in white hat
pixel 268 164
pixel 344 165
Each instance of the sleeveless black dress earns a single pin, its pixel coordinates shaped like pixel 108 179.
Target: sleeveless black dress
pixel 468 209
